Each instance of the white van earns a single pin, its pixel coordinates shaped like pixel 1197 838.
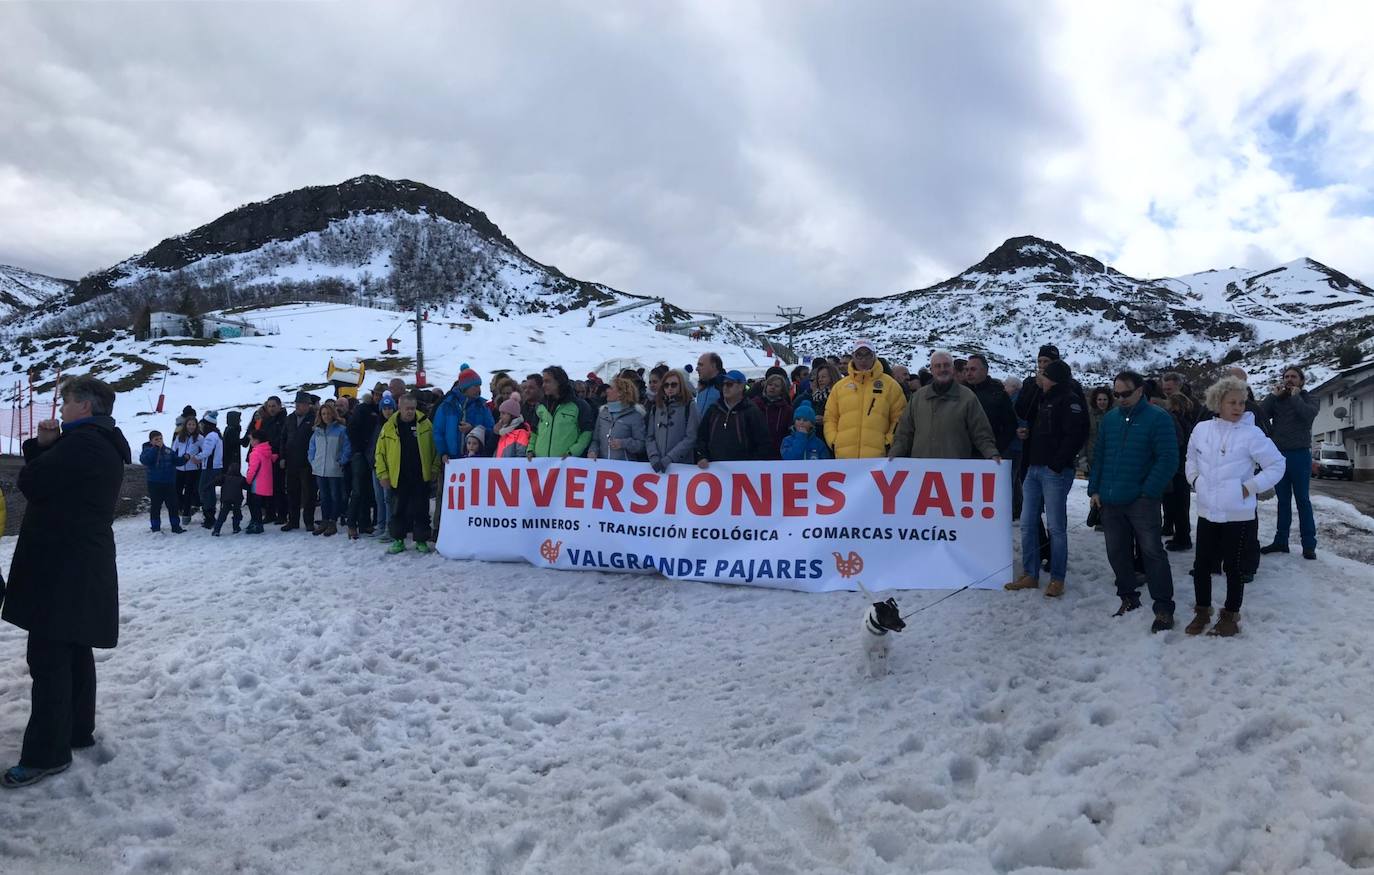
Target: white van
pixel 1332 461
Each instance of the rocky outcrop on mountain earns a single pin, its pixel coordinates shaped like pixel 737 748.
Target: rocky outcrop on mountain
pixel 1030 291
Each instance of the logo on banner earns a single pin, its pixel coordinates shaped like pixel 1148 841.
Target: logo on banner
pixel 549 550
pixel 848 567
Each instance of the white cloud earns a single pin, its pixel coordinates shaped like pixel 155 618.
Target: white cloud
pixel 768 152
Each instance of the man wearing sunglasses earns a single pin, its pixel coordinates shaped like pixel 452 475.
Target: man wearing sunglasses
pixel 1134 459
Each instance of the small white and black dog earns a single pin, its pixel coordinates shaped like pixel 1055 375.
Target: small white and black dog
pixel 880 620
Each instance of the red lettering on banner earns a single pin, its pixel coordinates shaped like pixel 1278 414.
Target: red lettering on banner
pixel 455 494
pixel 712 503
pixel 793 494
pixel 642 486
pixel 670 506
pixel 574 486
pixel 543 492
pixel 966 490
pixel 606 493
pixel 934 495
pixel 760 500
pixel 989 492
pixel 476 487
pixel 825 485
pixel 889 489
pixel 508 487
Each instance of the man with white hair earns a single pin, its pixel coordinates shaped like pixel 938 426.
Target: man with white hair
pixel 944 420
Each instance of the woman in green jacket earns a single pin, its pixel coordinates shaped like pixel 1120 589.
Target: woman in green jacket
pixel 564 422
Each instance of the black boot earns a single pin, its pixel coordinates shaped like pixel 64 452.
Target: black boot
pixel 1162 623
pixel 1128 603
pixel 1274 548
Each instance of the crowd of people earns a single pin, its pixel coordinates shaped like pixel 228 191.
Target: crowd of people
pixel 1145 446
pixel 370 465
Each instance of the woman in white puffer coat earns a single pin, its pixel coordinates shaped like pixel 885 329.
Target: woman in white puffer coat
pixel 1223 454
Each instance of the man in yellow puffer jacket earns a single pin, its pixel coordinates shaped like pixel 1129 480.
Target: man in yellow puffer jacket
pixel 863 408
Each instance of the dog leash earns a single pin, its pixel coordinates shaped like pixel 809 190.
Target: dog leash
pixel 985 577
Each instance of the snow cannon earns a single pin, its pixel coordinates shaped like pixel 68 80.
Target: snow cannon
pixel 346 379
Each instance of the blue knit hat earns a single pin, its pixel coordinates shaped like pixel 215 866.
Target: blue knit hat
pixel 388 401
pixel 467 378
pixel 804 411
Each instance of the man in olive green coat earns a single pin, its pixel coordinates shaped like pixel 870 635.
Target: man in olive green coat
pixel 944 420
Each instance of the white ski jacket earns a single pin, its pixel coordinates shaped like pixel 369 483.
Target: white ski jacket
pixel 1222 457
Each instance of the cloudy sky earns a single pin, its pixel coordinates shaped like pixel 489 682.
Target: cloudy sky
pixel 734 155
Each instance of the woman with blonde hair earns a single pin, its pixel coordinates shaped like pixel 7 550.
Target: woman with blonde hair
pixel 671 427
pixel 1223 455
pixel 619 430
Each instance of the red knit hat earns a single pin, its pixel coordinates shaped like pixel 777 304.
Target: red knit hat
pixel 467 378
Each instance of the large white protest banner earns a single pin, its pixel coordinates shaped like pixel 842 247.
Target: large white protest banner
pixel 811 526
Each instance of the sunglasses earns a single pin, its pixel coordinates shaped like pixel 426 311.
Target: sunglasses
pixel 673 385
pixel 1125 394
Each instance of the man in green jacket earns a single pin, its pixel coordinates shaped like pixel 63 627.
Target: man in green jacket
pixel 1134 459
pixel 944 420
pixel 405 464
pixel 564 422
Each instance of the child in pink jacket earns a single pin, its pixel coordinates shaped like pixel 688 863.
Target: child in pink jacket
pixel 259 477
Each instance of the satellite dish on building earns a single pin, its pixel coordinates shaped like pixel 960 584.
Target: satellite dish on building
pixel 1340 413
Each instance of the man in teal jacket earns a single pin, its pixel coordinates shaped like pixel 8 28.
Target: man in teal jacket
pixel 1134 459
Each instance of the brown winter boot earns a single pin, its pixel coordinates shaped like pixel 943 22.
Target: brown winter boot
pixel 352 533
pixel 1055 589
pixel 330 528
pixel 1025 581
pixel 1227 624
pixel 1201 617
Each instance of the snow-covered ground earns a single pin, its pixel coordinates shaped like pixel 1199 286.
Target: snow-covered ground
pixel 241 373
pixel 288 704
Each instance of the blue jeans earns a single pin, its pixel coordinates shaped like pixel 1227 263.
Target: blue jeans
pixel 1045 489
pixel 383 499
pixel 1126 525
pixel 331 498
pixel 1296 483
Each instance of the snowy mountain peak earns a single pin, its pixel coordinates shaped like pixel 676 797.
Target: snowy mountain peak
pixel 1035 255
pixel 22 291
pixel 291 215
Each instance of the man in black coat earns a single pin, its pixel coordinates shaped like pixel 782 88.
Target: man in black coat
pixel 996 403
pixel 271 421
pixel 295 461
pixel 732 430
pixel 63 588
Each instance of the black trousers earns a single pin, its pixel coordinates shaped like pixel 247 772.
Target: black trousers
pixel 300 495
pixel 1224 543
pixel 188 489
pixel 1178 501
pixel 255 509
pixel 63 712
pixel 275 504
pixel 224 510
pixel 410 511
pixel 361 501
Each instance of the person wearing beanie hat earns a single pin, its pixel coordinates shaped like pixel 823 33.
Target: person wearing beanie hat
pixel 1048 351
pixel 802 442
pixel 462 410
pixel 233 430
pixel 512 432
pixel 211 459
pixel 475 443
pixel 775 404
pixel 467 379
pixel 1059 429
pixel 388 401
